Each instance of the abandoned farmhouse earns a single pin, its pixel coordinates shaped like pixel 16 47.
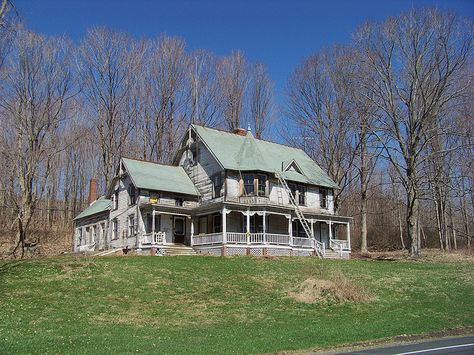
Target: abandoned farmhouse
pixel 227 193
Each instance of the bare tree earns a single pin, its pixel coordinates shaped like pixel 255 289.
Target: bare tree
pixel 36 88
pixel 261 108
pixel 233 78
pixel 417 57
pixel 203 89
pixel 106 64
pixel 321 108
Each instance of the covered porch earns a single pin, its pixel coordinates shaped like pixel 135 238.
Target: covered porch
pixel 230 228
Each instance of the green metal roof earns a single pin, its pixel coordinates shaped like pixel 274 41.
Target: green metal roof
pixel 158 177
pixel 100 205
pixel 246 153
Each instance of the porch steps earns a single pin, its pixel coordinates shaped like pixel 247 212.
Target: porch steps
pixel 178 250
pixel 335 254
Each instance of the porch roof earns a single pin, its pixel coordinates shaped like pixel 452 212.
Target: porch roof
pixel 159 177
pixel 246 153
pixel 98 206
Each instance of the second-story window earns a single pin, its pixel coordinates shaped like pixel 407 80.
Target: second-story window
pixel 301 195
pixel 323 198
pixel 115 199
pixel 131 194
pixel 216 185
pixel 261 185
pixel 178 201
pixel 292 189
pixel 115 228
pixel 249 187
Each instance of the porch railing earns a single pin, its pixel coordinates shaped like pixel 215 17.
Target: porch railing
pixel 278 239
pixel 154 238
pixel 207 239
pixel 338 244
pixel 302 242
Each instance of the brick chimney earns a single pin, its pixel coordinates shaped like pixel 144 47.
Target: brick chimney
pixel 240 131
pixel 92 190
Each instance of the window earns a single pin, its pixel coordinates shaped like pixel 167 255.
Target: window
pixel 131 194
pixel 202 225
pixel 261 185
pixel 179 226
pixel 80 236
pixel 148 221
pixel 302 195
pixel 292 189
pixel 248 184
pixel 115 228
pixel 178 201
pixel 94 234
pixel 323 198
pixel 131 225
pixel 217 223
pixel 115 199
pixel 216 185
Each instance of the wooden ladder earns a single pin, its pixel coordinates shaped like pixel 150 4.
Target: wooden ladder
pixel 319 247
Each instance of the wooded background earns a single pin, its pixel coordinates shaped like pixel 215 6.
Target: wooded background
pixel 389 116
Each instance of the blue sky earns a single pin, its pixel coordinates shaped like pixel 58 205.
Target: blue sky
pixel 277 33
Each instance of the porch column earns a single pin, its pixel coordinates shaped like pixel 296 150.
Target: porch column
pixel 224 225
pixel 248 226
pixel 349 235
pixel 153 226
pixel 290 227
pixel 330 231
pixel 312 228
pixel 264 228
pixel 192 230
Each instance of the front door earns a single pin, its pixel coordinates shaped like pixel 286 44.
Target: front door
pixel 179 229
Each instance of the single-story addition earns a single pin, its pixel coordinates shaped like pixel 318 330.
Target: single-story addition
pixel 227 193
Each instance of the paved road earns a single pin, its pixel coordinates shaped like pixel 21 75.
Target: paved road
pixel 452 345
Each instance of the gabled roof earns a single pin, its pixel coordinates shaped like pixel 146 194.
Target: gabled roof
pixel 246 153
pixel 100 205
pixel 159 177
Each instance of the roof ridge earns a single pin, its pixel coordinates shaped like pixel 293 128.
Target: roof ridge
pixel 235 134
pixel 152 162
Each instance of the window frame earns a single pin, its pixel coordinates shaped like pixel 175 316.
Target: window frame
pixel 200 225
pixel 302 195
pixel 217 183
pixel 115 229
pixel 258 183
pixel 132 195
pixel 323 198
pixel 132 227
pixel 115 199
pixel 248 184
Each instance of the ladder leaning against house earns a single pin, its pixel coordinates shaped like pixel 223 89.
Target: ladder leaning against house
pixel 318 246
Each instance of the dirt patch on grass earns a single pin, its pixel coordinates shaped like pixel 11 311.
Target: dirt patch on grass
pixel 427 255
pixel 335 288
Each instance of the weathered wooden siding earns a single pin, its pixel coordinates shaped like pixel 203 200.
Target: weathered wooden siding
pixel 201 173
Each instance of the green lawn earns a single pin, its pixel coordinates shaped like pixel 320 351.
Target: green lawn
pixel 220 305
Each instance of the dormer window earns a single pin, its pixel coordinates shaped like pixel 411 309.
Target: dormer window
pixel 254 185
pixel 292 166
pixel 261 185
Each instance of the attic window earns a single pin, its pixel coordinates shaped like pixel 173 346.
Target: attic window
pixel 292 166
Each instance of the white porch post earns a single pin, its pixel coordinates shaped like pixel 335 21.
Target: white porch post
pixel 192 230
pixel 330 231
pixel 153 226
pixel 224 225
pixel 264 228
pixel 248 226
pixel 349 235
pixel 290 229
pixel 312 228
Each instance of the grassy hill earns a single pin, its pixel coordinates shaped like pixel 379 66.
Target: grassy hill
pixel 223 305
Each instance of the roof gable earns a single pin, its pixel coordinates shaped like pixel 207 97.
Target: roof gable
pixel 159 177
pixel 98 206
pixel 246 153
